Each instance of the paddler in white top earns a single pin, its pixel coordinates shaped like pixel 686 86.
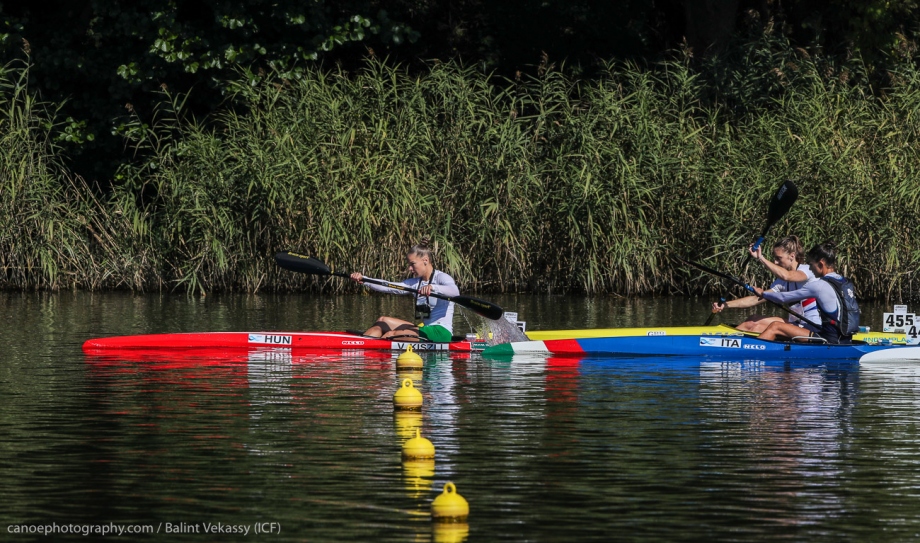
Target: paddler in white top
pixel 437 315
pixel 791 274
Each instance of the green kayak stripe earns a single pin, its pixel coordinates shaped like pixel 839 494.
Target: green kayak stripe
pixel 500 349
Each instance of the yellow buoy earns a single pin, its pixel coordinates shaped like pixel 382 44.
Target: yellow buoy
pixel 418 447
pixel 449 506
pixel 407 397
pixel 409 359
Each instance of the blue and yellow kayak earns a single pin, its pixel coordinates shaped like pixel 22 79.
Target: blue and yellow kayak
pixel 720 345
pixel 543 335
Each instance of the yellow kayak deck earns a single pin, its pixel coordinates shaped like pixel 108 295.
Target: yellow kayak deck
pixel 543 335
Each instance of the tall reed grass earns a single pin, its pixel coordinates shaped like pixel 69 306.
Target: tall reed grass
pixel 54 231
pixel 41 218
pixel 546 183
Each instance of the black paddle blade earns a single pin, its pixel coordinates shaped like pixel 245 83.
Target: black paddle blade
pixel 781 203
pixel 300 263
pixel 481 307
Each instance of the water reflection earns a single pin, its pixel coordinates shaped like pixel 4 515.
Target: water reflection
pixel 543 448
pixel 442 407
pixel 791 421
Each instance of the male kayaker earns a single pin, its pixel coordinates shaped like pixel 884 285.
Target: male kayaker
pixel 822 259
pixel 791 274
pixel 436 315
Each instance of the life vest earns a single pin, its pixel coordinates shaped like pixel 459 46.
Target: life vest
pixel 847 321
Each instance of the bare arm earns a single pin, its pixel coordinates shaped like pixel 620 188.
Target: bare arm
pixel 792 276
pixel 739 303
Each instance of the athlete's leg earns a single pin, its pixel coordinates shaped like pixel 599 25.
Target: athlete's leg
pixel 403 332
pixel 757 323
pixel 384 325
pixel 378 329
pixel 783 330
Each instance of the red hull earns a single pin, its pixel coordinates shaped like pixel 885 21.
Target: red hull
pixel 296 341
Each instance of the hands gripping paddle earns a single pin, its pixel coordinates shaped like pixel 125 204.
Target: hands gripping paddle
pixel 781 203
pixel 306 264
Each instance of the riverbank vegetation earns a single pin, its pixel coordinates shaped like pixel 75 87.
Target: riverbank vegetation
pixel 542 182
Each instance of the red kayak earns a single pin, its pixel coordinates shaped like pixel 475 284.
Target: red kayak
pixel 340 341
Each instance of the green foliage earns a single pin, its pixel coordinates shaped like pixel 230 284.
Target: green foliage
pixel 278 35
pixel 101 59
pixel 48 220
pixel 545 183
pixel 876 29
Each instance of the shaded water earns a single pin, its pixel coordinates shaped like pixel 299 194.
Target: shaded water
pixel 544 449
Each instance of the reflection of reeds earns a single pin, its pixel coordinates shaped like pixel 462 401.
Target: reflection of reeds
pixel 546 183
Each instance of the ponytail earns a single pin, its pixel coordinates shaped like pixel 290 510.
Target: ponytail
pixel 423 249
pixel 826 251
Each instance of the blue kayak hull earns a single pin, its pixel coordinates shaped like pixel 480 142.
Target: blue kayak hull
pixel 717 346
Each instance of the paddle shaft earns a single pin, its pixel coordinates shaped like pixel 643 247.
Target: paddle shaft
pixel 304 264
pixel 748 288
pixel 395 286
pixel 722 301
pixel 481 307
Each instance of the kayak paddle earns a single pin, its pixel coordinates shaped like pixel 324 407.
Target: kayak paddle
pixel 780 204
pixel 307 264
pixel 745 286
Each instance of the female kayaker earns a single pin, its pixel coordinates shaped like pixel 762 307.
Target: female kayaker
pixel 436 315
pixel 823 262
pixel 791 274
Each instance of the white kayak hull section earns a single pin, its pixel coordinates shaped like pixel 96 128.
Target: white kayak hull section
pixel 901 354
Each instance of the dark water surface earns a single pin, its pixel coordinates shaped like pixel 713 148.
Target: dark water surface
pixel 544 449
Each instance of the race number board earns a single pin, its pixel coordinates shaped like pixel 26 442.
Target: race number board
pixel 912 334
pixel 898 322
pixel 902 321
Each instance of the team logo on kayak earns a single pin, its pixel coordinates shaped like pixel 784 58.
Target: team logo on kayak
pixel 656 333
pixel 397 345
pixel 729 342
pixel 270 339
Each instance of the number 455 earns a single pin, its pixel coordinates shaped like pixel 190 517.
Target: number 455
pixel 900 320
